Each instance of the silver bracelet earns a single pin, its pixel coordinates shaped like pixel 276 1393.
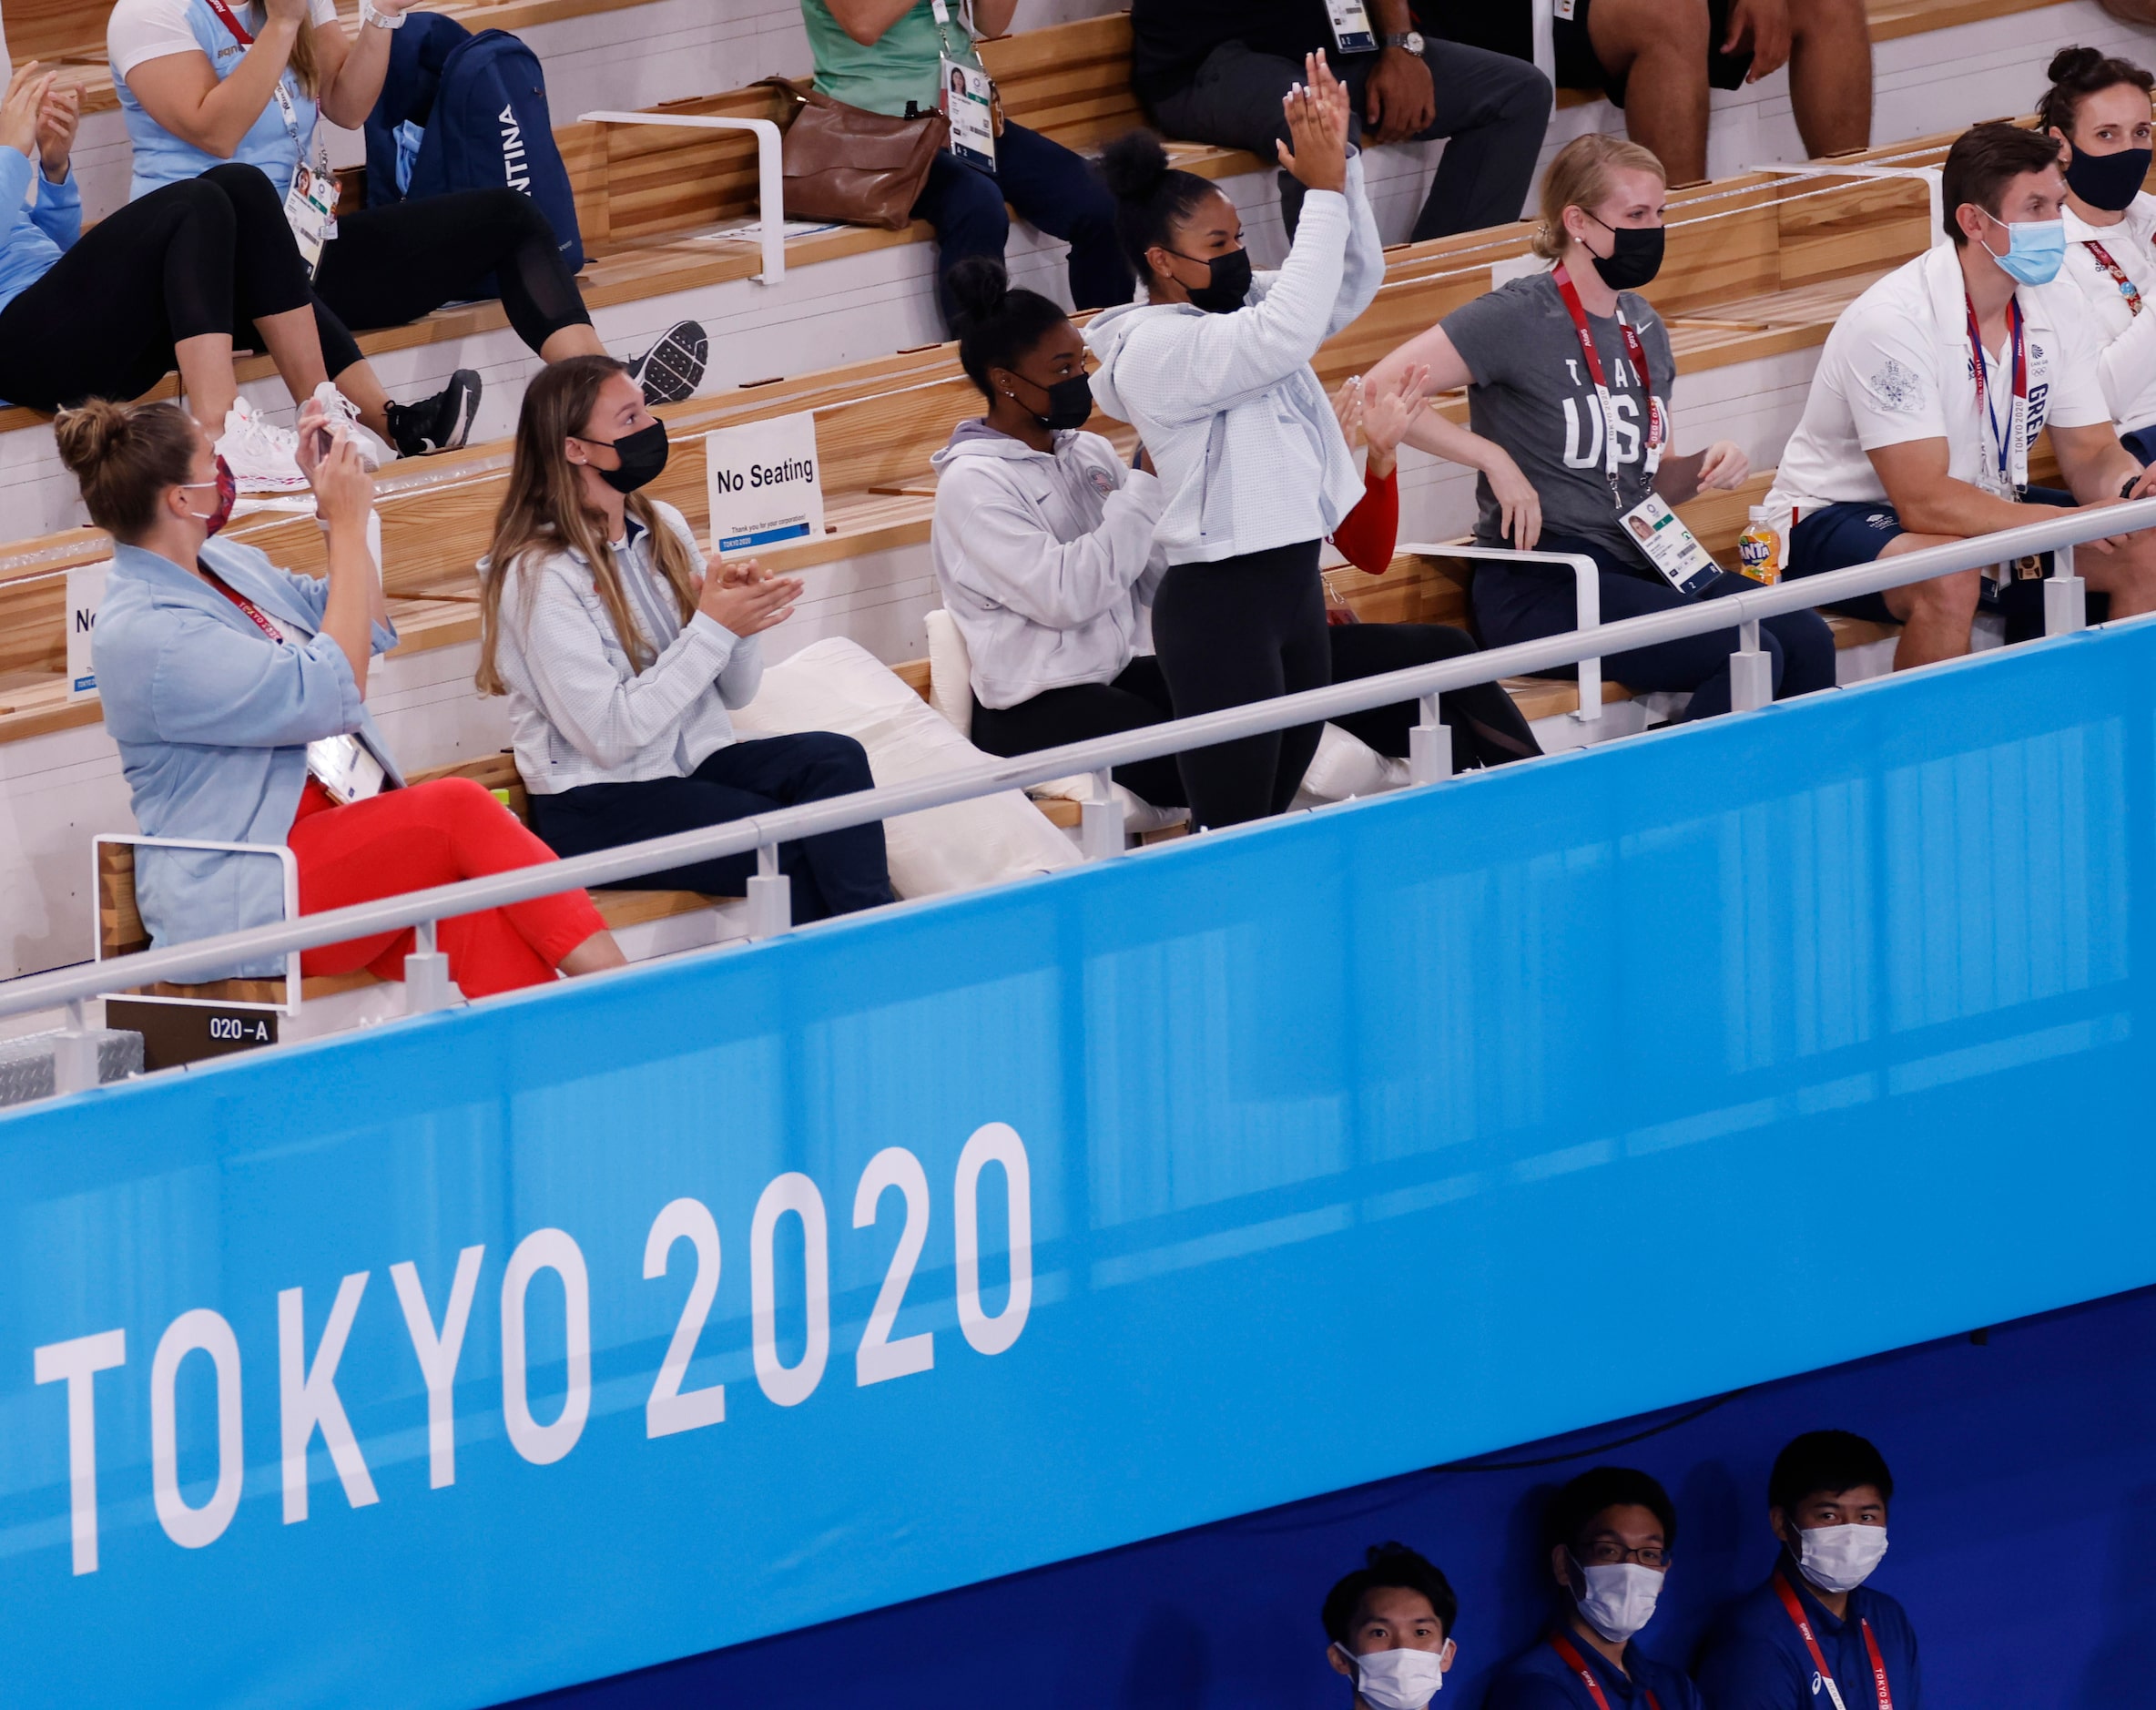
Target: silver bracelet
pixel 368 14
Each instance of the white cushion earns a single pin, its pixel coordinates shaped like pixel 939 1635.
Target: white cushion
pixel 836 685
pixel 950 672
pixel 1347 766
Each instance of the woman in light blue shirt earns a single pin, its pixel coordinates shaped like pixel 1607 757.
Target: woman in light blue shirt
pixel 201 82
pixel 223 678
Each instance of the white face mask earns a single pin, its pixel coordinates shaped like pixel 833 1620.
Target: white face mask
pixel 1619 1599
pixel 1399 1680
pixel 1841 1558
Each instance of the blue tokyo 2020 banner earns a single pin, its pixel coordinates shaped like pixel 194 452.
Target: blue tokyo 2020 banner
pixel 531 1343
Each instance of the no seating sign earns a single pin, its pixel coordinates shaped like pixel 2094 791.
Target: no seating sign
pixel 765 484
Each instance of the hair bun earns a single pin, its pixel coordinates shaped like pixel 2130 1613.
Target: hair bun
pixel 1134 166
pixel 978 287
pixel 2074 62
pixel 87 435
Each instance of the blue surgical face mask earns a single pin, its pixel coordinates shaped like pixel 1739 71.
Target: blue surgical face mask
pixel 2035 250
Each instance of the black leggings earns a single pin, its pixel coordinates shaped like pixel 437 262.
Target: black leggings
pixel 1487 727
pixel 1239 630
pixel 387 266
pixel 210 255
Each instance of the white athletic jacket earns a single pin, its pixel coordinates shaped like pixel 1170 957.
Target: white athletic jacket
pixel 1046 561
pixel 1238 426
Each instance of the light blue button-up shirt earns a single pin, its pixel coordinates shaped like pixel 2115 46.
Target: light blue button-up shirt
pixel 212 719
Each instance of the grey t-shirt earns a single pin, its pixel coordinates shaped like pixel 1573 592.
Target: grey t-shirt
pixel 1532 395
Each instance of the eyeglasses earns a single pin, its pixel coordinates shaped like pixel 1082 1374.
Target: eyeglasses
pixel 1608 1553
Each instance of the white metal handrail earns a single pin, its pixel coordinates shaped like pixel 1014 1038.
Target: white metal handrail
pixel 2063 607
pixel 1587 594
pixel 770 172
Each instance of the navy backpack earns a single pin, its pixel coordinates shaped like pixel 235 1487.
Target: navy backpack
pixel 465 112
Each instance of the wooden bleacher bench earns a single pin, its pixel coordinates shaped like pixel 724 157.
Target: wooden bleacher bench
pixel 1758 266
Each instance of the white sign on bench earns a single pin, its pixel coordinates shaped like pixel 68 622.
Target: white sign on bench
pixel 765 484
pixel 85 593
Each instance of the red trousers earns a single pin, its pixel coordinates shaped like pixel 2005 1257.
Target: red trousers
pixel 412 839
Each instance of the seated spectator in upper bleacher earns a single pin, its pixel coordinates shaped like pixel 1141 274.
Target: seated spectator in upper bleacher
pixel 1928 399
pixel 237 693
pixel 1215 71
pixel 200 83
pixel 1573 437
pixel 1610 1534
pixel 2098 108
pixel 1816 1634
pixel 886 56
pixel 1045 552
pixel 621 647
pixel 169 281
pixel 1390 1627
pixel 1657 59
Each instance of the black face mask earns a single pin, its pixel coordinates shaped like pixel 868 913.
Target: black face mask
pixel 643 456
pixel 1229 285
pixel 2107 181
pixel 1069 403
pixel 1634 258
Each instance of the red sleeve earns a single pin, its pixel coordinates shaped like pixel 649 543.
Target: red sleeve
pixel 1368 533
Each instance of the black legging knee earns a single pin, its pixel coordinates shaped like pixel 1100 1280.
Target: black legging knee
pixel 1244 629
pixel 388 267
pixel 208 255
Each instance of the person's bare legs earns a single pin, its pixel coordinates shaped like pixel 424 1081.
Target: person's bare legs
pixel 1934 616
pixel 2127 573
pixel 1659 48
pixel 1830 74
pixel 576 340
pixel 296 347
pixel 360 383
pixel 206 378
pixel 595 956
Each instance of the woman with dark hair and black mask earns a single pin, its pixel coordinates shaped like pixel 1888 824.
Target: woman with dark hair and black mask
pixel 2098 107
pixel 1568 376
pixel 1214 369
pixel 1045 552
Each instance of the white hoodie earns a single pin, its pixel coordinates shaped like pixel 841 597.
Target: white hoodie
pixel 1043 558
pixel 1238 426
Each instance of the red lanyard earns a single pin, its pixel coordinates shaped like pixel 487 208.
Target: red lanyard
pixel 244 603
pixel 2013 450
pixel 1871 1645
pixel 230 20
pixel 2127 288
pixel 1569 1654
pixel 1636 353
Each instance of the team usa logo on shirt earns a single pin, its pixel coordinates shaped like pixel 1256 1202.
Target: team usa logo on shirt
pixel 1102 482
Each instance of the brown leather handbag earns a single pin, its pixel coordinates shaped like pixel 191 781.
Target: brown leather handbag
pixel 844 163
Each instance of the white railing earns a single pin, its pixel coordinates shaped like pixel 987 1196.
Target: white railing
pixel 770 172
pixel 1429 763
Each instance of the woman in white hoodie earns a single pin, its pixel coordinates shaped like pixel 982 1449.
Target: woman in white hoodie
pixel 1214 369
pixel 1045 551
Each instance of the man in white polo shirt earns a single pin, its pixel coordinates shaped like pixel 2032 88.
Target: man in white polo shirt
pixel 1908 440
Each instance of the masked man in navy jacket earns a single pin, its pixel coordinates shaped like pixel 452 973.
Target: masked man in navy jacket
pixel 1815 1636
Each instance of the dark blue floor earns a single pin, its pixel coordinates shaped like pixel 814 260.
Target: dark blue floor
pixel 2022 1539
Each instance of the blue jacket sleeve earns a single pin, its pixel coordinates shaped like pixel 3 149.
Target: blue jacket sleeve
pixel 212 685
pixel 58 212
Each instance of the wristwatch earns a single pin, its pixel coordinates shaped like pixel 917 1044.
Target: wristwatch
pixel 381 20
pixel 1411 40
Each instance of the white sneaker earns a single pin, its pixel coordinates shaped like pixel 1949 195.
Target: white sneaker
pixel 374 451
pixel 262 458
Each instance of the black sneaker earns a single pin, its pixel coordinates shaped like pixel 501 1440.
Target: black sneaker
pixel 674 367
pixel 440 423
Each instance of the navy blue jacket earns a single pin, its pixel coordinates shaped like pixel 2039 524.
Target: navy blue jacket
pixel 1756 1659
pixel 1539 1679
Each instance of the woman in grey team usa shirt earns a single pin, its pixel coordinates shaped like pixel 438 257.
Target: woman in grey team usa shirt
pixel 1571 436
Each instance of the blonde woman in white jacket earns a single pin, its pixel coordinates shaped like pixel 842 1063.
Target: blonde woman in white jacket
pixel 1214 369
